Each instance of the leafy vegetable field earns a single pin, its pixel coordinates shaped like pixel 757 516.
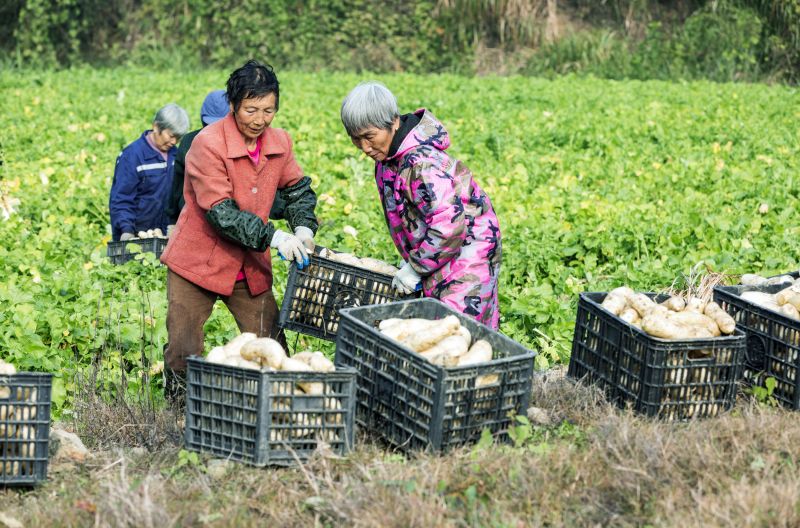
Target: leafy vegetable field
pixel 596 184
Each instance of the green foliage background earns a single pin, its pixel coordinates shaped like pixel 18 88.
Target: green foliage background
pixel 722 40
pixel 596 183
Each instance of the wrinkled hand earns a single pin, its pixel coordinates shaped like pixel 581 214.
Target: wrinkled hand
pixel 406 280
pixel 126 236
pixel 306 236
pixel 290 248
pixel 170 230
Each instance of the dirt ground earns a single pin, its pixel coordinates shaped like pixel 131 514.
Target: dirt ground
pixel 591 465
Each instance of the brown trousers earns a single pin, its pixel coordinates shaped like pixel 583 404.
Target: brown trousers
pixel 189 307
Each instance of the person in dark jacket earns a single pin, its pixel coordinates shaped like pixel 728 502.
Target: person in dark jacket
pixel 143 176
pixel 215 107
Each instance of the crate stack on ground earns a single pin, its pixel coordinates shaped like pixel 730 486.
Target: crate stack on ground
pixel 332 281
pixel 413 403
pixel 772 329
pixel 672 379
pixel 24 426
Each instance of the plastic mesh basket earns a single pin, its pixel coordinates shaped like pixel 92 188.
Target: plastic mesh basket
pixel 120 252
pixel 670 379
pixel 773 341
pixel 24 428
pixel 415 404
pixel 261 418
pixel 315 294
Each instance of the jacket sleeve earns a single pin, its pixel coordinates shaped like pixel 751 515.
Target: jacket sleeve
pixel 278 211
pixel 122 201
pixel 300 201
pixel 437 197
pixel 295 192
pixel 242 227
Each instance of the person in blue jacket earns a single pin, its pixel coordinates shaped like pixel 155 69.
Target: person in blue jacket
pixel 143 176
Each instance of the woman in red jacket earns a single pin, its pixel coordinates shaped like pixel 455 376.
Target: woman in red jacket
pixel 220 248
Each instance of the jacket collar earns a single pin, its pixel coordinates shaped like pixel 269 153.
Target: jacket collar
pixel 150 153
pixel 271 143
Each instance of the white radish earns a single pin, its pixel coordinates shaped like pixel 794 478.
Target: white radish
pixel 265 351
pixel 434 332
pixel 724 321
pixel 675 303
pixel 642 304
pixel 217 355
pixel 294 365
pixel 319 363
pixel 752 279
pixel 234 346
pixel 614 303
pixel 447 351
pixel 479 352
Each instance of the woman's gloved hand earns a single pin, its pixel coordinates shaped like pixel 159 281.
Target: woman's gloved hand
pixel 306 236
pixel 126 236
pixel 406 280
pixel 290 248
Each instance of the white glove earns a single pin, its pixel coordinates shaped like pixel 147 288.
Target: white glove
pixel 406 280
pixel 170 230
pixel 126 236
pixel 306 236
pixel 290 248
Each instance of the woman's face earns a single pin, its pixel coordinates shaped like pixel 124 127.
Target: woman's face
pixel 254 115
pixel 375 142
pixel 164 138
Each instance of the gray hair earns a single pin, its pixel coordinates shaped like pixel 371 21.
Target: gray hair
pixel 370 104
pixel 173 118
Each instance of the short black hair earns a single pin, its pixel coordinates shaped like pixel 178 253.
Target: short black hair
pixel 254 79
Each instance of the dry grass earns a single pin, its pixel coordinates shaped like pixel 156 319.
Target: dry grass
pixel 108 415
pixel 599 467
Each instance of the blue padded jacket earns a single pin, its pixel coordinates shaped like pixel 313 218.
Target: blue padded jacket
pixel 142 182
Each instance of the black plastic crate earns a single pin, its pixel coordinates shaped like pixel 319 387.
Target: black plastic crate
pixel 24 428
pixel 670 379
pixel 415 404
pixel 315 294
pixel 773 341
pixel 258 417
pixel 119 253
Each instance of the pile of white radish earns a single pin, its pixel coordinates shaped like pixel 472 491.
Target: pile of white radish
pixel 265 354
pixel 13 413
pixel 785 302
pixel 444 342
pixel 674 318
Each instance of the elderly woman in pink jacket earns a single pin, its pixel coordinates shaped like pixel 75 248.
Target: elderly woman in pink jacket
pixel 441 221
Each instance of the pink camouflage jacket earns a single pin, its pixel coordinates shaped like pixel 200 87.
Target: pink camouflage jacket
pixel 442 222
